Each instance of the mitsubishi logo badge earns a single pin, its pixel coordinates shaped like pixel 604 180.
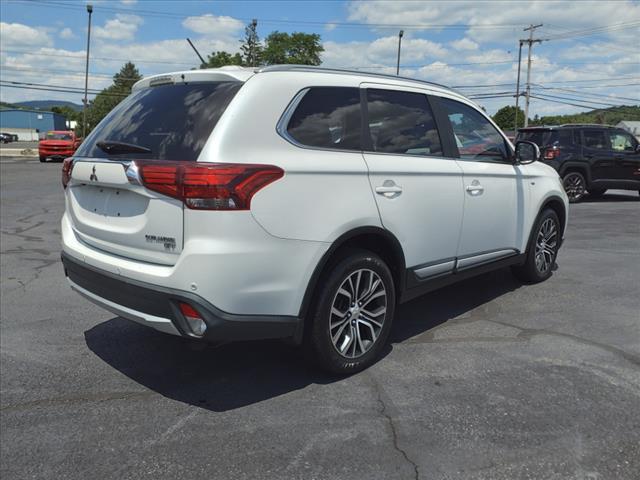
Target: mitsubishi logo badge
pixel 93 177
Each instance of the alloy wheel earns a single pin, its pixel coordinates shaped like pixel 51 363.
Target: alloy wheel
pixel 358 313
pixel 574 186
pixel 546 245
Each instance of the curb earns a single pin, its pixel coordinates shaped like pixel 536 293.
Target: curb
pixel 18 152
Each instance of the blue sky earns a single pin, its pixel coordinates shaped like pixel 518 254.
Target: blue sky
pixel 591 57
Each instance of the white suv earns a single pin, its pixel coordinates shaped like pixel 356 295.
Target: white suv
pixel 298 202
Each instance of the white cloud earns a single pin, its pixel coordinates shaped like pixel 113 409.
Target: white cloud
pixel 464 44
pixel 213 26
pixel 122 27
pixel 128 2
pixel 19 35
pixel 67 34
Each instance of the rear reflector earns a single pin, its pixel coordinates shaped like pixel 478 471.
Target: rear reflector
pixel 67 167
pixel 193 318
pixel 208 186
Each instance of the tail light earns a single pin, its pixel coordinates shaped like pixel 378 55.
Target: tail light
pixel 551 153
pixel 67 168
pixel 208 186
pixel 193 318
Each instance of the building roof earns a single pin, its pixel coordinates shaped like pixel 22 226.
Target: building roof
pixel 4 110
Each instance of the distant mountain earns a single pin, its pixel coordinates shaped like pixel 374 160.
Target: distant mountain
pixel 48 104
pixel 607 116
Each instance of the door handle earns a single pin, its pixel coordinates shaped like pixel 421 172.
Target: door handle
pixel 475 188
pixel 389 189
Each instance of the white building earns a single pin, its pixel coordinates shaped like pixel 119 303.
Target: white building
pixel 633 127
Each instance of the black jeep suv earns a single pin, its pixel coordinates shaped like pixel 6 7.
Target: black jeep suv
pixel 589 158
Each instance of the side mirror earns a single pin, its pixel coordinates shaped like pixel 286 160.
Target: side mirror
pixel 526 152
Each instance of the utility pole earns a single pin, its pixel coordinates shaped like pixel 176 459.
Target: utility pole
pixel 86 76
pixel 515 126
pixel 400 34
pixel 530 41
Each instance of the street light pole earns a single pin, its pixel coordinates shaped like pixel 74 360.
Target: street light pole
pixel 400 34
pixel 86 76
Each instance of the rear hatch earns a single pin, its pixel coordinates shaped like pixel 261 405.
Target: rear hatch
pixel 108 206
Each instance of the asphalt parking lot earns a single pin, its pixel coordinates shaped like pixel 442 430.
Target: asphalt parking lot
pixel 487 379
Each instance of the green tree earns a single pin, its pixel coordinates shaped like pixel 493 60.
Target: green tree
pixel 506 117
pixel 296 48
pixel 221 59
pixel 111 96
pixel 251 48
pixel 67 112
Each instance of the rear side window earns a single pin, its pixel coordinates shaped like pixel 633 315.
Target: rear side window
pixel 173 121
pixel 476 138
pixel 328 117
pixel 539 137
pixel 402 123
pixel 595 139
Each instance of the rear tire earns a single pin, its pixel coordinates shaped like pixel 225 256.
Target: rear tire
pixel 542 249
pixel 575 186
pixel 352 314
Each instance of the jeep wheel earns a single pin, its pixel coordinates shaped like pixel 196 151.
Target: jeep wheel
pixel 575 186
pixel 352 314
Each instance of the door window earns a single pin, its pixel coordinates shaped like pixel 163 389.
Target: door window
pixel 595 139
pixel 328 117
pixel 476 138
pixel 621 142
pixel 402 123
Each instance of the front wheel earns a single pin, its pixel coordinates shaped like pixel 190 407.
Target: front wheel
pixel 575 186
pixel 542 249
pixel 352 314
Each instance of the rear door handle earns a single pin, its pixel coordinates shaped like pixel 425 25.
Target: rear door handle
pixel 389 189
pixel 475 187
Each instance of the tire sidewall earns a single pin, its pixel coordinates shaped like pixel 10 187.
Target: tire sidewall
pixel 584 184
pixel 531 253
pixel 323 350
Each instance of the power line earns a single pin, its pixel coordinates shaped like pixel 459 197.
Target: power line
pixel 60 90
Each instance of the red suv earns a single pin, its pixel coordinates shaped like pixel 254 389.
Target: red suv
pixel 58 145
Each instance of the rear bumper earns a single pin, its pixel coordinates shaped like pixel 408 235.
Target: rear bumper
pixel 157 307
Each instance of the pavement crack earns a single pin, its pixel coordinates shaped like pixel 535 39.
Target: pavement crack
pixel 384 411
pixel 532 332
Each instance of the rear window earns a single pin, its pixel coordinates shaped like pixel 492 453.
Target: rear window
pixel 539 137
pixel 173 121
pixel 328 117
pixel 59 136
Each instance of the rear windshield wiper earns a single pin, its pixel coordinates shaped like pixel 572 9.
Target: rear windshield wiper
pixel 110 146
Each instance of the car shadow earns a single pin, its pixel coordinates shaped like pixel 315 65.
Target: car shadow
pixel 618 196
pixel 230 376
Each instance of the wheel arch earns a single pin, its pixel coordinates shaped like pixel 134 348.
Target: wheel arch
pixel 580 167
pixel 556 204
pixel 376 239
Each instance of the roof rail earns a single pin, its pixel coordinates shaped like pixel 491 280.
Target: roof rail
pixel 311 68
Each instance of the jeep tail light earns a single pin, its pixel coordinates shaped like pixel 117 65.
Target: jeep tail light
pixel 67 167
pixel 193 318
pixel 208 186
pixel 551 153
